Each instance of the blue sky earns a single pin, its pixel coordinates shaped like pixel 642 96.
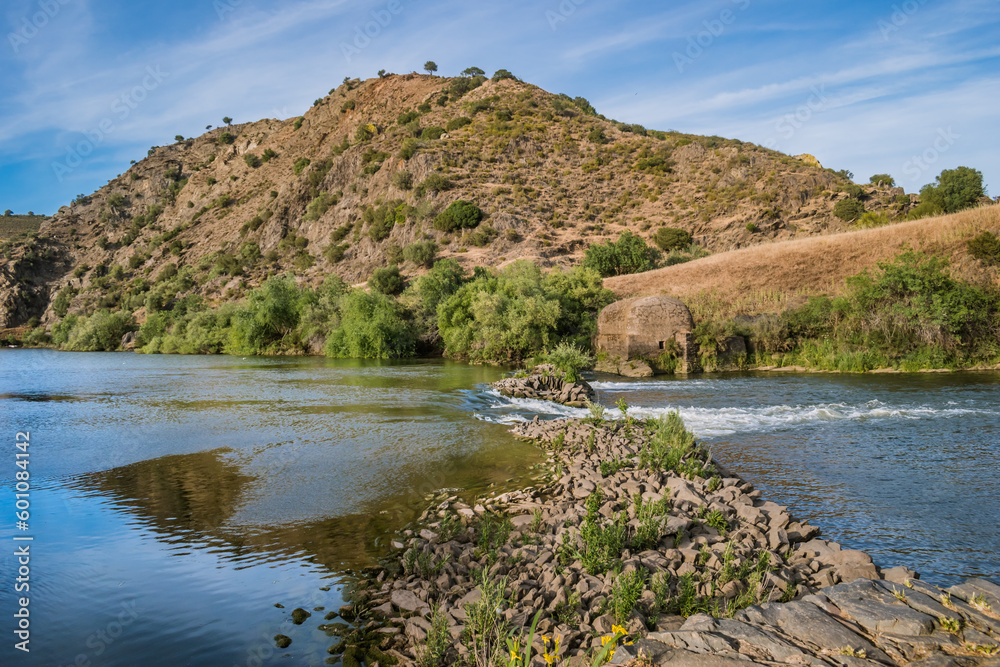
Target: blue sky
pixel 908 87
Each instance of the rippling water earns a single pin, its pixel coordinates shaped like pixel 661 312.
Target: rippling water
pixel 901 466
pixel 175 500
pixel 197 492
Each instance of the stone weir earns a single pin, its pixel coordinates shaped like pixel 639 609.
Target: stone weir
pixel 635 547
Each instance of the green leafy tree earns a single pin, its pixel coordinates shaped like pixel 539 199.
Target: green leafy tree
pixel 460 214
pixel 515 312
pixel 381 74
pixel 371 327
pixel 430 66
pixel 672 238
pixel 502 74
pixel 178 137
pixel 473 71
pixel 227 120
pixel 387 280
pixel 954 190
pixel 629 254
pixel 270 314
pixel 848 210
pixel 883 179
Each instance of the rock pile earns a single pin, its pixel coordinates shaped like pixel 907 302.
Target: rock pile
pixel 635 527
pixel 546 383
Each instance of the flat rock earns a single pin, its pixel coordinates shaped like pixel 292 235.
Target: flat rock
pixel 877 610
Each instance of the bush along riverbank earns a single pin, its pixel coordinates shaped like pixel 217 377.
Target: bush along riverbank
pixel 635 541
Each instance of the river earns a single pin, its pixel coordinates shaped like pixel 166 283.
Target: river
pixel 175 501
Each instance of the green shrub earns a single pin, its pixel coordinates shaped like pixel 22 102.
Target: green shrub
pixel 629 254
pixel 954 190
pixel 848 210
pixel 460 214
pixel 226 138
pixel 672 238
pixel 407 117
pixel 403 180
pixel 348 105
pixel 394 254
pixel 252 160
pixel 387 280
pixel 409 148
pixel 854 191
pixel 268 155
pixel 458 123
pixel 596 136
pixel 502 74
pixel 334 252
pixel 102 331
pixel 420 253
pixel 298 123
pixel 569 359
pixel 431 133
pixel 752 227
pixel 300 164
pixel 60 305
pixel 434 183
pixel 270 313
pixel 371 327
pixel 985 248
pixel 514 313
pixel 883 179
pixel 320 205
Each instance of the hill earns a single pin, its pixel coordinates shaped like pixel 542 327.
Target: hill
pixel 772 277
pixel 358 181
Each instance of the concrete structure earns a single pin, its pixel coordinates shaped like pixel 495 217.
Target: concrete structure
pixel 647 326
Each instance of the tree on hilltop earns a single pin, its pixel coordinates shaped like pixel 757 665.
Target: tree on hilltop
pixel 430 66
pixel 954 189
pixel 227 120
pixel 473 71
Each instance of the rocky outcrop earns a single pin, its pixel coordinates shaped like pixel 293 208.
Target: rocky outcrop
pixel 864 622
pixel 548 384
pixel 697 538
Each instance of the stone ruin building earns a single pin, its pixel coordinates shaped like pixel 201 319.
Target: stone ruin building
pixel 646 327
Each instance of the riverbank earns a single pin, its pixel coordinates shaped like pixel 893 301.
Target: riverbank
pixel 638 536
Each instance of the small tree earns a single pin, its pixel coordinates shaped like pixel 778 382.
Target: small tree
pixel 387 280
pixel 178 137
pixel 208 127
pixel 672 238
pixel 381 74
pixel 227 120
pixel 459 214
pixel 473 71
pixel 883 179
pixel 501 74
pixel 630 254
pixel 848 210
pixel 430 66
pixel 954 190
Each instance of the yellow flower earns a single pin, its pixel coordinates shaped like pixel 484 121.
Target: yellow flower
pixel 549 659
pixel 617 629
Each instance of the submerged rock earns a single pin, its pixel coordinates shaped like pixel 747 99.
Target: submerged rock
pixel 282 641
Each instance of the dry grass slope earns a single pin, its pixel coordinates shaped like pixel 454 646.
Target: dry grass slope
pixel 771 277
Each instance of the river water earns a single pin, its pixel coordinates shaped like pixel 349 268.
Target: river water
pixel 176 500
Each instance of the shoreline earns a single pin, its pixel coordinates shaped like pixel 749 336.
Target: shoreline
pixel 638 536
pixel 749 369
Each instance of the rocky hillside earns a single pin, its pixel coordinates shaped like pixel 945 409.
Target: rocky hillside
pixel 357 182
